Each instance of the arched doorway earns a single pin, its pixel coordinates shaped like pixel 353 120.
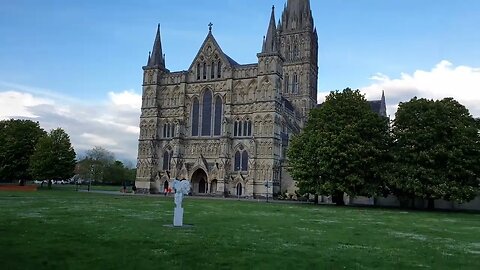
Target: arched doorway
pixel 213 187
pixel 199 182
pixel 239 189
pixel 165 185
pixel 202 186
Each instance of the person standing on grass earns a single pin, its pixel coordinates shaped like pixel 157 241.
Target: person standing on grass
pixel 124 187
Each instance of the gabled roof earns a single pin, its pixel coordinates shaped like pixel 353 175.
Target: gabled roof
pixel 210 39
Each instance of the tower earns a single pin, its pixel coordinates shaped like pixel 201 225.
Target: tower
pixel 299 47
pixel 148 159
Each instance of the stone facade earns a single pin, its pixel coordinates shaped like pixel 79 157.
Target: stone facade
pixel 226 126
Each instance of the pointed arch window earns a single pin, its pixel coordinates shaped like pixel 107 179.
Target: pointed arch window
pixel 217 126
pixel 198 71
pixel 287 83
pixel 242 128
pixel 245 161
pixel 212 71
pixel 195 116
pixel 238 160
pixel 235 128
pixel 219 70
pixel 167 156
pixel 207 113
pixel 204 71
pixel 241 161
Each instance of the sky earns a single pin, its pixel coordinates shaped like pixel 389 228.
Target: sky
pixel 78 64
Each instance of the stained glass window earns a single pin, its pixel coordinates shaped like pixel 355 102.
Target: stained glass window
pixel 244 161
pixel 237 161
pixel 195 117
pixel 166 161
pixel 217 129
pixel 207 113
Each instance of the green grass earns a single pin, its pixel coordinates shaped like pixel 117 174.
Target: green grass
pixel 62 229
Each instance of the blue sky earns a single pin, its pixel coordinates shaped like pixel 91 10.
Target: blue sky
pixel 77 54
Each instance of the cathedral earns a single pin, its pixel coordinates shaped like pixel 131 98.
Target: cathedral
pixel 225 126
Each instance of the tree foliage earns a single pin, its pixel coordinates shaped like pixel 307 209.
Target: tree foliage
pixel 94 165
pixel 100 165
pixel 436 150
pixel 18 139
pixel 54 157
pixel 341 148
pixel 116 173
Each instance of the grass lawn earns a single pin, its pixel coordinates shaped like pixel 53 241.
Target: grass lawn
pixel 63 229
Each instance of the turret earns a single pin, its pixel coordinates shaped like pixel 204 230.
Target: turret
pixel 270 43
pixel 157 58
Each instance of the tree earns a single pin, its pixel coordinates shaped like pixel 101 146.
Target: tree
pixel 17 143
pixel 54 157
pixel 436 151
pixel 342 148
pixel 115 173
pixel 94 165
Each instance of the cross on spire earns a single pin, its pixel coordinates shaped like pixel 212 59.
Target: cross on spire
pixel 210 27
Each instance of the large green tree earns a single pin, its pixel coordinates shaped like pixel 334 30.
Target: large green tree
pixel 17 143
pixel 436 150
pixel 54 157
pixel 95 163
pixel 342 149
pixel 116 173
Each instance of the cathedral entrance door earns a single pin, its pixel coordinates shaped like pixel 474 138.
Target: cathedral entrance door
pixel 202 186
pixel 239 189
pixel 199 182
pixel 165 185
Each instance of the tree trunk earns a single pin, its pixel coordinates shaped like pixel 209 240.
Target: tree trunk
pixel 315 201
pixel 49 184
pixel 337 198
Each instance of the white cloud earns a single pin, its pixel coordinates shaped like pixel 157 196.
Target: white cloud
pixel 94 139
pixel 126 98
pixel 14 104
pixel 444 80
pixel 112 125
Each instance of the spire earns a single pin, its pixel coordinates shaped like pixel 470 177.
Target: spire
pixel 383 105
pixel 270 42
pixel 297 15
pixel 157 57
